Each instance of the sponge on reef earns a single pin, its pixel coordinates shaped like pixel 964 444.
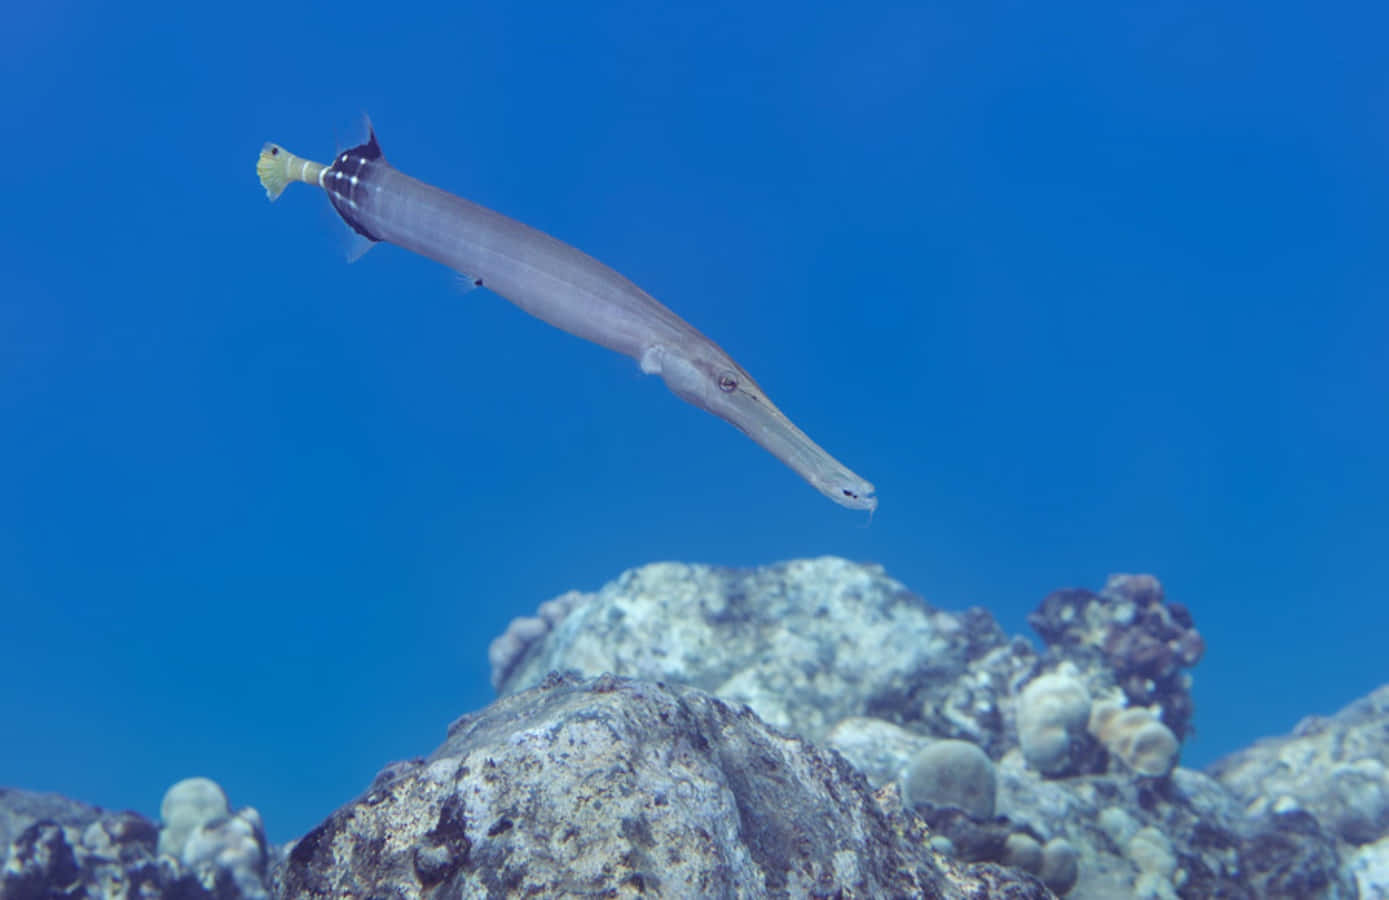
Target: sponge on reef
pixel 186 807
pixel 1136 736
pixel 203 834
pixel 1053 713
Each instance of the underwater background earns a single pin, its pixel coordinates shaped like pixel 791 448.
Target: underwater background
pixel 1081 289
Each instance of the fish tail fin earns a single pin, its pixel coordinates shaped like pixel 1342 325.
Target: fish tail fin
pixel 271 169
pixel 277 167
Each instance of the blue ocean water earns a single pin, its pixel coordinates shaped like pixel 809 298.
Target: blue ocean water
pixel 1081 289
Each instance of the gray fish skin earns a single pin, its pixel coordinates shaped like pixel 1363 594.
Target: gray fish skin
pixel 568 289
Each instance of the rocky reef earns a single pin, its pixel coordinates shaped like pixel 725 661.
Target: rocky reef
pixel 806 729
pixel 59 848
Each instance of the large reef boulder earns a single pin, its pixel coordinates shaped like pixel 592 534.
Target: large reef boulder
pixel 804 643
pixel 616 787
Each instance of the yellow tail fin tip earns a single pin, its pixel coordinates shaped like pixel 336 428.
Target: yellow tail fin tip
pixel 272 167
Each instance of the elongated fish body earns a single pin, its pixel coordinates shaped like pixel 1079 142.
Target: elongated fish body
pixel 563 286
pixel 547 278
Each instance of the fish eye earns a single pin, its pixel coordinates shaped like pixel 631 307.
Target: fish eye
pixel 727 383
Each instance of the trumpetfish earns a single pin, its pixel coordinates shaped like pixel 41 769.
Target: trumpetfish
pixel 562 286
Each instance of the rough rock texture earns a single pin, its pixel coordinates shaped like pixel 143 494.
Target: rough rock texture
pixel 57 848
pixel 1336 768
pixel 614 787
pixel 804 643
pixel 20 809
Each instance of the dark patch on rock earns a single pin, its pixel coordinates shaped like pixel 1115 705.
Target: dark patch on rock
pixel 982 632
pixel 1060 618
pixel 307 846
pixel 974 840
pixel 47 864
pixel 637 830
pixel 1291 858
pixel 131 832
pixel 446 846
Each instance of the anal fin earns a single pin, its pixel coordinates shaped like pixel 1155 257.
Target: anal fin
pixel 357 246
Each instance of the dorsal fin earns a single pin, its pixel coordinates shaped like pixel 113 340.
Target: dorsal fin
pixel 371 149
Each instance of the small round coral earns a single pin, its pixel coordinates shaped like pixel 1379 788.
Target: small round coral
pixel 1053 711
pixel 1060 866
pixel 952 773
pixel 186 807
